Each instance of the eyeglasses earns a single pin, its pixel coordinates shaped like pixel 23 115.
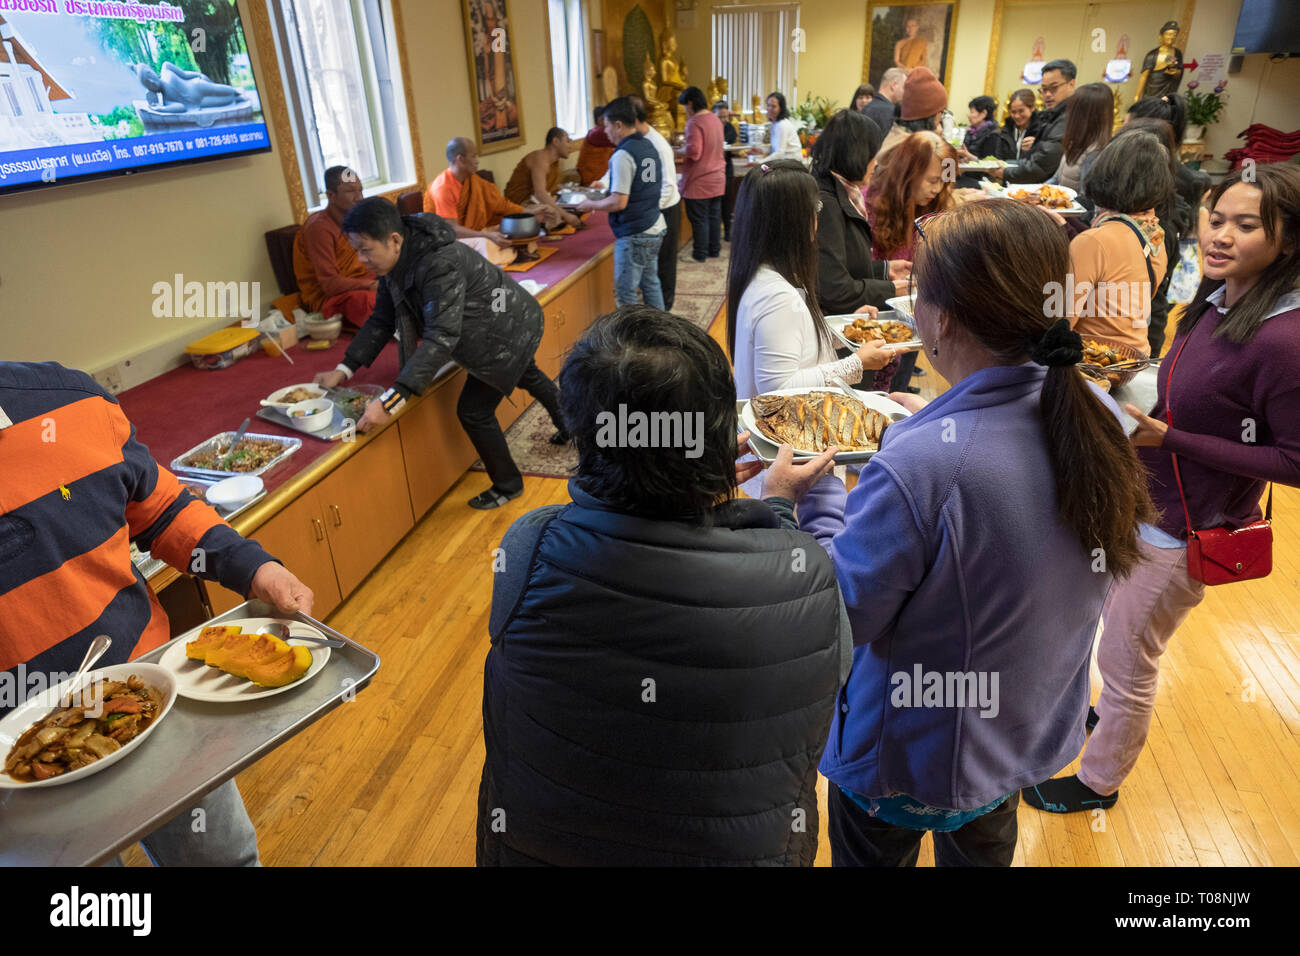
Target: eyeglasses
pixel 1053 88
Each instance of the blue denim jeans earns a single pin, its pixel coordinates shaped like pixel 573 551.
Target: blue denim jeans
pixel 222 835
pixel 636 266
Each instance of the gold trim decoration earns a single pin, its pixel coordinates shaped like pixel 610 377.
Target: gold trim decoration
pixel 408 86
pixel 514 141
pixel 275 107
pixel 990 71
pixel 946 79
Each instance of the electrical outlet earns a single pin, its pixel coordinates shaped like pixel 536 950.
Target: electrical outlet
pixel 110 378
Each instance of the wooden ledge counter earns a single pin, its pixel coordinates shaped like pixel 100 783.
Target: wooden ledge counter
pixel 333 510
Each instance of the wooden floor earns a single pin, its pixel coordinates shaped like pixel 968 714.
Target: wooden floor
pixel 392 777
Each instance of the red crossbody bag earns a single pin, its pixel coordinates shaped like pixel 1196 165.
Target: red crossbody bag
pixel 1222 555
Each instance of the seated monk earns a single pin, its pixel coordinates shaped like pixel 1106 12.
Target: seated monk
pixel 540 173
pixel 330 278
pixel 471 202
pixel 593 157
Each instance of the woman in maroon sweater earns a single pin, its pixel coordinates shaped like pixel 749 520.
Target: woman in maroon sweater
pixel 1236 409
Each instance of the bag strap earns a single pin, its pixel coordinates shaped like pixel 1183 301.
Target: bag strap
pixel 1169 420
pixel 1142 240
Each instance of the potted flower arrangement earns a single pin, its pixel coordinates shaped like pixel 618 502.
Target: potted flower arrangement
pixel 812 115
pixel 1203 109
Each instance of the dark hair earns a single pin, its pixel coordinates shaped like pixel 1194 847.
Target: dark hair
pixel 922 125
pixel 334 175
pixel 864 89
pixel 651 362
pixel 638 107
pixel 720 104
pixel 846 146
pixel 553 134
pixel 1279 209
pixel 375 217
pixel 780 102
pixel 1131 173
pixel 456 146
pixel 961 270
pixel 1026 96
pixel 596 114
pixel 622 111
pixel 772 226
pixel 986 105
pixel 1064 67
pixel 1088 121
pixel 1171 108
pixel 693 97
pixel 1174 219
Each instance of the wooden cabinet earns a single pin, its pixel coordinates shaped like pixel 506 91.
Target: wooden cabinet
pixel 367 508
pixel 336 532
pixel 297 537
pixel 435 449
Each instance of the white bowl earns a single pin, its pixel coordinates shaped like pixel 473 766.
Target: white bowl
pixel 311 415
pixel 325 328
pixel 232 493
pixel 276 399
pixel 36 707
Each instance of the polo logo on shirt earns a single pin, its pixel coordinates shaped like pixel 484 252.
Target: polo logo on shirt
pixel 65 493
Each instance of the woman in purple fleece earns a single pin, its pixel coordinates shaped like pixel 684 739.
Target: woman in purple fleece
pixel 1236 408
pixel 973 556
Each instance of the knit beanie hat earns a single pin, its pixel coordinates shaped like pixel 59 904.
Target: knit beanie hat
pixel 923 95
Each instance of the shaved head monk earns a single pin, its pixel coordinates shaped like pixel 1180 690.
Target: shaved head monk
pixel 330 278
pixel 470 201
pixel 539 174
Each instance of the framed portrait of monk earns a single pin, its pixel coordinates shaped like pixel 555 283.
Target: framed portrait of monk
pixel 908 34
pixel 493 79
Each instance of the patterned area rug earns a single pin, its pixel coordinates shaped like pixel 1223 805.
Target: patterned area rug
pixel 701 292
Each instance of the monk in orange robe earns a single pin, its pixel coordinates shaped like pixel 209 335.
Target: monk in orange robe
pixel 457 194
pixel 593 157
pixel 330 278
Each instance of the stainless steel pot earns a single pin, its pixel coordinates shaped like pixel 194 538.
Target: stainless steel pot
pixel 520 225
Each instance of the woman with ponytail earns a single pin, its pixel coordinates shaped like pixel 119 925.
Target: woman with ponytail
pixel 1235 408
pixel 974 554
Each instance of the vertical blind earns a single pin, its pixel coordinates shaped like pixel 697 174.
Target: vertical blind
pixel 569 66
pixel 754 49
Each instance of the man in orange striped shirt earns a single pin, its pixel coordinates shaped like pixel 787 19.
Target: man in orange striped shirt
pixel 76 488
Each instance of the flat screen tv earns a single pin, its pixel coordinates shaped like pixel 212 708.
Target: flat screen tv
pixel 1267 26
pixel 91 89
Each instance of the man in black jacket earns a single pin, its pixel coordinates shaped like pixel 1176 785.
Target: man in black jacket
pixel 460 308
pixel 1046 149
pixel 665 656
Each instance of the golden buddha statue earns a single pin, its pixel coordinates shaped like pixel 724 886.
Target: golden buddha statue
pixel 672 79
pixel 656 112
pixel 759 116
pixel 717 90
pixel 1162 68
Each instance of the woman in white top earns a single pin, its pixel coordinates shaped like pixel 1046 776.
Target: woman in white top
pixel 782 138
pixel 775 330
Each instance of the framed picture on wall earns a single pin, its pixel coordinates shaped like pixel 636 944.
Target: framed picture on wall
pixel 493 79
pixel 908 34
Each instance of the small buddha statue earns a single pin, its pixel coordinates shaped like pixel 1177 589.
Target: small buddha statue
pixel 1162 68
pixel 657 114
pixel 717 90
pixel 759 116
pixel 672 79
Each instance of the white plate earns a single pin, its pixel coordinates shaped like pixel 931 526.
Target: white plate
pixel 276 398
pixel 766 449
pixel 905 306
pixel 18 720
pixel 838 322
pixel 197 681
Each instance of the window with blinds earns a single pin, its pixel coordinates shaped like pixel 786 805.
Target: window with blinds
pixel 754 49
pixel 569 66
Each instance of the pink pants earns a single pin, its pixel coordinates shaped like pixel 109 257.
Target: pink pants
pixel 1140 616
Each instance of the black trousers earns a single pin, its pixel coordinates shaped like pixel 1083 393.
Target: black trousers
pixel 668 253
pixel 729 200
pixel 706 226
pixel 477 410
pixel 903 377
pixel 859 839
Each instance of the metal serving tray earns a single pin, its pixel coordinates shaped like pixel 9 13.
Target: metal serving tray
pixel 291 445
pixel 199 747
pixel 335 430
pixel 836 323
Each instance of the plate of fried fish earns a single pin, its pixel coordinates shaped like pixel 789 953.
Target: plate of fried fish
pixel 811 420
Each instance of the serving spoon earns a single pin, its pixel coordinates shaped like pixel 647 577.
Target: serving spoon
pixel 97 649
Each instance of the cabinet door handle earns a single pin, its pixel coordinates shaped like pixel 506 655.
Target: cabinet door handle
pixel 338 516
pixel 319 528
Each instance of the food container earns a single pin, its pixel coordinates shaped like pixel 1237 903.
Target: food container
pixel 311 415
pixel 325 328
pixel 765 448
pixel 233 493
pixel 278 398
pixel 838 323
pixel 222 348
pixel 1124 353
pixel 221 442
pixel 520 225
pixel 353 399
